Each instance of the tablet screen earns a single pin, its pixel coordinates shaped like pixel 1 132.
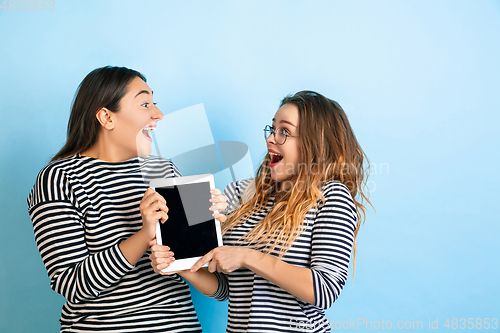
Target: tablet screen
pixel 190 229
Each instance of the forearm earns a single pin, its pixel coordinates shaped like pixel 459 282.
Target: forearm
pixel 204 281
pixel 92 275
pixel 75 274
pixel 134 247
pixel 296 280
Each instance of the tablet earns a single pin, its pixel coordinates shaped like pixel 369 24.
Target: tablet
pixel 190 231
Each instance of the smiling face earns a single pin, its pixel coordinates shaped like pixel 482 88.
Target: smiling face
pixel 285 158
pixel 128 134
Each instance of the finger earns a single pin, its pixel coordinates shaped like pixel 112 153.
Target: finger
pixel 212 266
pixel 221 198
pixel 161 198
pixel 163 254
pixel 159 267
pixel 160 248
pixel 149 192
pixel 163 217
pixel 162 261
pixel 152 242
pixel 219 206
pixel 158 261
pixel 221 217
pixel 218 198
pixel 215 192
pixel 203 260
pixel 151 197
pixel 155 206
pixel 159 257
pixel 154 215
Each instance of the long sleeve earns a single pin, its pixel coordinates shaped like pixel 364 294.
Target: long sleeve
pixel 58 225
pixel 331 245
pixel 322 249
pixel 222 292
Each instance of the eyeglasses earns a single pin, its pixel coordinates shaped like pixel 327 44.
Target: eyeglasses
pixel 280 134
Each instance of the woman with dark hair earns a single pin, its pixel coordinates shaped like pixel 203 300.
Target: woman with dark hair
pixel 94 216
pixel 290 230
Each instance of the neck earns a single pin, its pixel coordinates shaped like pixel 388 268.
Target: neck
pixel 283 186
pixel 105 150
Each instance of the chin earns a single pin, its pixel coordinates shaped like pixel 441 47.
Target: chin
pixel 279 177
pixel 143 146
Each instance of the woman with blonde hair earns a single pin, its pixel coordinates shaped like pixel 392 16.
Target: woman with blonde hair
pixel 291 230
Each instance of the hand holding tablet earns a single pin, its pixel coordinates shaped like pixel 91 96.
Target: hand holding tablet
pixel 190 231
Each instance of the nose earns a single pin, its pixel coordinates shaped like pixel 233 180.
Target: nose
pixel 271 140
pixel 157 113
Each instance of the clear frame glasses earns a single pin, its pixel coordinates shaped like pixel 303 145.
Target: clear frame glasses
pixel 280 134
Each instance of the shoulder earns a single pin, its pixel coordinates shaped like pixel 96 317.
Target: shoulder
pixel 336 188
pixel 338 196
pixel 51 182
pixel 56 171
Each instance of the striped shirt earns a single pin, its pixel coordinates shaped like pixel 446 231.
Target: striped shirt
pixel 257 305
pixel 82 208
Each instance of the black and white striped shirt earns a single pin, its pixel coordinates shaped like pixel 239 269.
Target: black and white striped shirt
pixel 257 305
pixel 82 208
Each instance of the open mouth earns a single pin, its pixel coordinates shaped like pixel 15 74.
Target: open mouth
pixel 275 159
pixel 147 131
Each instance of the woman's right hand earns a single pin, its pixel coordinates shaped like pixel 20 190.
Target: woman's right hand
pixel 153 209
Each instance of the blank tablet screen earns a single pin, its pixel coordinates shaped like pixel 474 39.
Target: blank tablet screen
pixel 190 228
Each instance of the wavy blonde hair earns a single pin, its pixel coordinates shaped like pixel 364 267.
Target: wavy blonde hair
pixel 329 151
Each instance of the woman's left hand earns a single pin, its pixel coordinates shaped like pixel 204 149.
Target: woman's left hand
pixel 219 204
pixel 224 259
pixel 161 257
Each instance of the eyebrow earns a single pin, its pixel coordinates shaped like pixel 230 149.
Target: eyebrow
pixel 143 92
pixel 285 121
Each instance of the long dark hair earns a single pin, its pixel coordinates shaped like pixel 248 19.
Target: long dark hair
pixel 102 88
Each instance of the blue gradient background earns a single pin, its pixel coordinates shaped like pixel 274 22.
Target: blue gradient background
pixel 419 80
